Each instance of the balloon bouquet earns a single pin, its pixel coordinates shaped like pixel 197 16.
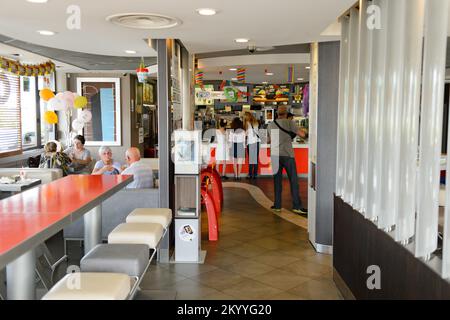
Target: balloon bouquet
pixel 65 102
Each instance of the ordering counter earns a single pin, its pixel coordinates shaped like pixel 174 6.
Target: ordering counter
pixel 265 168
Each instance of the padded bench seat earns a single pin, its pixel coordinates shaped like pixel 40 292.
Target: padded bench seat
pixel 92 286
pixel 131 259
pixel 137 233
pixel 162 216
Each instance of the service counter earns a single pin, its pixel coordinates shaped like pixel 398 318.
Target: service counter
pixel 265 168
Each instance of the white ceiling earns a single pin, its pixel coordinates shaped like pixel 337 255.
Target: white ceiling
pixel 265 22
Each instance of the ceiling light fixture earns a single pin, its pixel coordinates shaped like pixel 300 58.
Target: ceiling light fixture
pixel 130 51
pixel 233 79
pixel 241 40
pixel 37 1
pixel 233 69
pixel 269 73
pixel 308 67
pixel 206 11
pixel 264 82
pixel 46 33
pixel 300 79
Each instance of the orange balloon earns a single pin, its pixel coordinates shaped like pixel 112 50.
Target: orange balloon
pixel 50 117
pixel 46 94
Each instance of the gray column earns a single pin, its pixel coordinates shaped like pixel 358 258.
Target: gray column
pixel 327 119
pixel 21 280
pixel 92 228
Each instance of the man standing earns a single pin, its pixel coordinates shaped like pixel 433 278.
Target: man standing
pixel 282 131
pixel 142 173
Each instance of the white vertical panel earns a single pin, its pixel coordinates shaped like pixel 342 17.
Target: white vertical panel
pixel 393 103
pixel 349 191
pixel 376 114
pixel 404 227
pixel 436 25
pixel 362 148
pixel 342 112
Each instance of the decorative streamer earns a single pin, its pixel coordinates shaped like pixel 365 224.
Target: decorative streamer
pixel 199 78
pixel 241 75
pixel 26 70
pixel 291 74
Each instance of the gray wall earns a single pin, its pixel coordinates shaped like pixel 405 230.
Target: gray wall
pixel 125 90
pixel 327 113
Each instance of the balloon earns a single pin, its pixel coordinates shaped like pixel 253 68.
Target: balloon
pixel 57 104
pixel 69 98
pixel 85 116
pixel 80 102
pixel 50 117
pixel 46 94
pixel 77 124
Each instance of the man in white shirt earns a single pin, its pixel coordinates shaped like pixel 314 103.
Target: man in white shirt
pixel 142 173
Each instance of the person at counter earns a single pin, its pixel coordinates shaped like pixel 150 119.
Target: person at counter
pixel 251 126
pixel 79 155
pixel 222 149
pixel 237 138
pixel 282 155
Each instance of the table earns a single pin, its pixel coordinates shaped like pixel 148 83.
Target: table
pixel 19 186
pixel 31 217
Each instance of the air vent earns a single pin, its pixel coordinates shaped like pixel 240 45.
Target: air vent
pixel 143 21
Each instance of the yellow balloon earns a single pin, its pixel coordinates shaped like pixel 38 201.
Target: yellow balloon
pixel 46 94
pixel 80 102
pixel 51 117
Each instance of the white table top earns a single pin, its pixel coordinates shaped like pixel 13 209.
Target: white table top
pixel 19 185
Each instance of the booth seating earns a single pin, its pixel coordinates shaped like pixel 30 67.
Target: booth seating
pixel 127 254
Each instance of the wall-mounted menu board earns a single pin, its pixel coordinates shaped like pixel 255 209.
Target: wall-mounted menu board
pixel 242 97
pixel 271 93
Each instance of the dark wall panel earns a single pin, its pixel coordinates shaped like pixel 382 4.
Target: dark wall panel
pixel 358 243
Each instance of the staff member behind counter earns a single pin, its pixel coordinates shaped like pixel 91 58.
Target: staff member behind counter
pixel 283 157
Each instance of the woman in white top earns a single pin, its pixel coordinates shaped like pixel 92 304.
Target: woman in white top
pixel 237 138
pixel 251 126
pixel 222 149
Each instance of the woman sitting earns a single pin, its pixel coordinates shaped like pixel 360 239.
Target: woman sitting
pixel 106 164
pixel 80 156
pixel 52 159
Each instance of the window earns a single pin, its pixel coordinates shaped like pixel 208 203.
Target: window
pixel 28 111
pixel 10 126
pixel 21 114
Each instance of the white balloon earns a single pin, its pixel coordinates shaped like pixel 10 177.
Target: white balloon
pixel 85 116
pixel 57 104
pixel 77 124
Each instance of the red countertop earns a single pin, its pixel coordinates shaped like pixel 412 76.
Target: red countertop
pixel 31 212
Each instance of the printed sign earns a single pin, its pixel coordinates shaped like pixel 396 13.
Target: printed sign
pixel 187 233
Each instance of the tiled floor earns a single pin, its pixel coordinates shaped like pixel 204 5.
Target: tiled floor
pixel 258 256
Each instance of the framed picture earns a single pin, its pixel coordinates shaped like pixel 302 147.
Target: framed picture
pixel 103 95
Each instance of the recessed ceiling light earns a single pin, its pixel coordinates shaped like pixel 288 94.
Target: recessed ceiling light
pixel 269 73
pixel 308 67
pixel 264 82
pixel 241 40
pixel 130 51
pixel 37 1
pixel 233 79
pixel 206 11
pixel 233 69
pixel 300 79
pixel 46 33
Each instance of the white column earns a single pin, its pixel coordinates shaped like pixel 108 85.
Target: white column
pixel 349 192
pixel 436 26
pixel 376 114
pixel 409 135
pixel 342 112
pixel 393 102
pixel 362 148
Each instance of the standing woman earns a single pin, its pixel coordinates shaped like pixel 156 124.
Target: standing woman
pixel 222 149
pixel 237 138
pixel 251 126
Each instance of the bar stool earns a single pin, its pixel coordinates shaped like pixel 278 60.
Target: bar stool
pixel 137 233
pixel 91 286
pixel 162 216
